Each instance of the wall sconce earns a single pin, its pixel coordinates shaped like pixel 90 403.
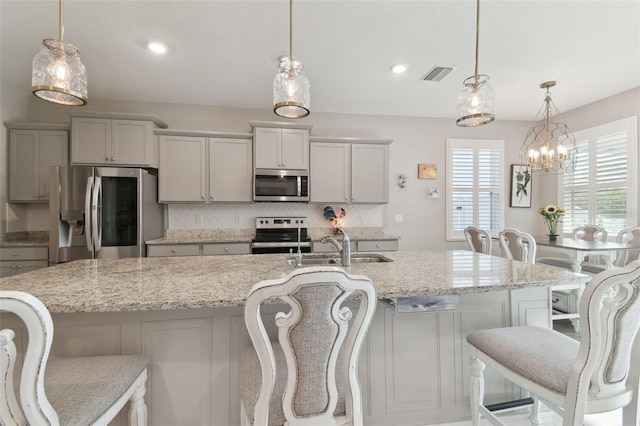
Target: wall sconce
pixel 433 193
pixel 402 181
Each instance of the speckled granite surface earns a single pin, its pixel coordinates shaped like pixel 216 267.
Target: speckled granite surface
pixel 213 281
pixel 25 238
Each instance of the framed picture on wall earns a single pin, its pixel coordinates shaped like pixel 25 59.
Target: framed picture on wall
pixel 520 186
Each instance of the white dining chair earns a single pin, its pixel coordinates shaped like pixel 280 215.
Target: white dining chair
pixel 625 236
pixel 478 239
pixel 309 376
pixel 599 373
pixel 517 245
pixel 63 391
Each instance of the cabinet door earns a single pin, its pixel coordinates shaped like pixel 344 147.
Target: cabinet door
pixel 182 172
pixel 369 173
pixel 295 149
pixel 329 176
pixel 91 141
pixel 23 165
pixel 230 171
pixel 54 151
pixel 131 142
pixel 267 148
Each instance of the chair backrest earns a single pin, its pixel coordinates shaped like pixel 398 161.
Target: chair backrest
pixel 589 233
pixel 609 311
pixel 479 240
pixel 517 245
pixel 311 334
pixel 628 236
pixel 34 404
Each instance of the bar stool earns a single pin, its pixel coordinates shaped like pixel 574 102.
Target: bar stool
pixel 310 375
pixel 517 245
pixel 64 391
pixel 479 240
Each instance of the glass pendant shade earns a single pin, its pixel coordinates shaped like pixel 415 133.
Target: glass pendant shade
pixel 549 145
pixel 58 75
pixel 476 102
pixel 291 90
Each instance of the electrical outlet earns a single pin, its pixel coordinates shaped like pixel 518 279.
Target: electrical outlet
pixel 397 218
pixel 198 219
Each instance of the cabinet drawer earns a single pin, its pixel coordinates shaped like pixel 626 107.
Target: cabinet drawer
pixel 227 248
pixel 384 245
pixel 24 253
pixel 564 301
pixel 318 247
pixel 9 268
pixel 169 250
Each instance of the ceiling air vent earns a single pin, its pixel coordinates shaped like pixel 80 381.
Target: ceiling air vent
pixel 437 73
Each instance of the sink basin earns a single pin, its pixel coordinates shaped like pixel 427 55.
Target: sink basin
pixel 309 260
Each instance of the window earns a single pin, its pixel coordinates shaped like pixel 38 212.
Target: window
pixel 475 193
pixel 603 187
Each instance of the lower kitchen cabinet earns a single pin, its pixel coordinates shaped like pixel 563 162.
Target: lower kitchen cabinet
pixel 206 249
pixel 16 260
pixel 413 368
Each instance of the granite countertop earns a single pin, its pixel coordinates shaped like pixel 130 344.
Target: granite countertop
pixel 163 283
pixel 203 236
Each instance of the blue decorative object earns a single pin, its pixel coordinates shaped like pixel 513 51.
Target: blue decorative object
pixel 329 214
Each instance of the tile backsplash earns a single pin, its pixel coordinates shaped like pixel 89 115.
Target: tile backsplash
pixel 242 216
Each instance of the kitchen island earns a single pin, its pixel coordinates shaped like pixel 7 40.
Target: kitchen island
pixel 185 313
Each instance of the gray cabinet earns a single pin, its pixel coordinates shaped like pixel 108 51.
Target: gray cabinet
pixel 111 142
pixel 200 169
pixel 205 249
pixel 17 260
pixel 31 153
pixel 281 148
pixel 349 172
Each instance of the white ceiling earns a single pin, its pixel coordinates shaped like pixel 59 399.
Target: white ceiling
pixel 225 52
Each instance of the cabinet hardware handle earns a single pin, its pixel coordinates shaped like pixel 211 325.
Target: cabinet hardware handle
pixel 202 196
pixel 226 249
pixel 19 266
pixel 107 158
pixel 211 197
pixel 173 250
pixel 346 198
pixel 113 158
pixel 35 195
pixel 15 253
pixel 377 245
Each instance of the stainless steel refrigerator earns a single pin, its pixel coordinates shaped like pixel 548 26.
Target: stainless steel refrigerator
pixel 102 213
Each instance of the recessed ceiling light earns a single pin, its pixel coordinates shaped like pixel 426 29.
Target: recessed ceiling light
pixel 157 47
pixel 399 69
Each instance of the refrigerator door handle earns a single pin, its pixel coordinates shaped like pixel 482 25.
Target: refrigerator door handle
pixel 88 213
pixel 96 227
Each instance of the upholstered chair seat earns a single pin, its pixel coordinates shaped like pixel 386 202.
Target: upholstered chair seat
pixel 478 239
pixel 517 245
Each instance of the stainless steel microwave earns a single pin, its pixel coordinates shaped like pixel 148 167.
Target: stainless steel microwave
pixel 280 185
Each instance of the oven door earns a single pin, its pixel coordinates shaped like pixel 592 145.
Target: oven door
pixel 280 185
pixel 280 247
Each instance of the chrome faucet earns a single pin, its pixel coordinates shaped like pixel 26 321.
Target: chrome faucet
pixel 344 248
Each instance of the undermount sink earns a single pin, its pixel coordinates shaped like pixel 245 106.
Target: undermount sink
pixel 312 259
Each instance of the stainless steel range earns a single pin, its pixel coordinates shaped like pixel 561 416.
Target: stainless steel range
pixel 281 235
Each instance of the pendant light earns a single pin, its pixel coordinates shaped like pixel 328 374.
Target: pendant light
pixel 476 99
pixel 549 145
pixel 58 75
pixel 291 91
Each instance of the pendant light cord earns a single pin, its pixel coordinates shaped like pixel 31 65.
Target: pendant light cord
pixel 290 30
pixel 61 26
pixel 477 35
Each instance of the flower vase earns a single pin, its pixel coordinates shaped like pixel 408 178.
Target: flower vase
pixel 553 237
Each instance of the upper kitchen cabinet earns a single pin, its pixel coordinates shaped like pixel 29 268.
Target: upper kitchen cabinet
pixel 33 148
pixel 347 172
pixel 197 168
pixel 280 145
pixel 114 140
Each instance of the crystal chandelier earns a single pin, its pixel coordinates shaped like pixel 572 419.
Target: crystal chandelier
pixel 291 91
pixel 58 75
pixel 476 99
pixel 549 145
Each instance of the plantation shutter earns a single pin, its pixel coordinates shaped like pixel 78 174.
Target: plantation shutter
pixel 475 190
pixel 602 188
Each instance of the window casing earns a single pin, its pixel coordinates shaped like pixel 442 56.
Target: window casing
pixel 603 187
pixel 475 189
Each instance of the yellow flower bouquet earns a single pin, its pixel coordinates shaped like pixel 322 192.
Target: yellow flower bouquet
pixel 552 215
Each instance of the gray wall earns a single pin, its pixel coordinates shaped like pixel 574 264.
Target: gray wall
pixel 416 140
